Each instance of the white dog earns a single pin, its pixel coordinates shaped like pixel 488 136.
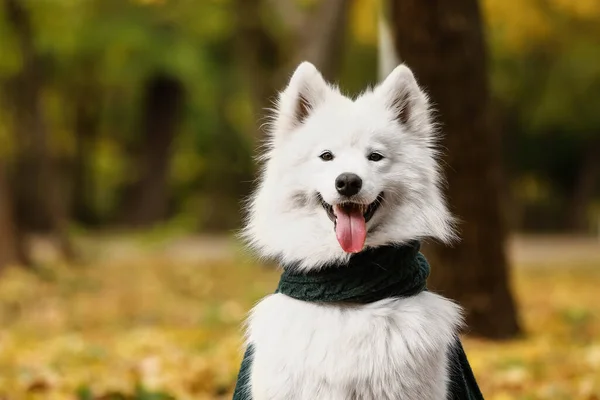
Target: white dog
pixel 342 176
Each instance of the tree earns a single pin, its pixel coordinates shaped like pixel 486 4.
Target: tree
pixel 585 184
pixel 317 35
pixel 37 182
pixel 86 96
pixel 9 253
pixel 546 75
pixel 163 102
pixel 322 37
pixel 443 42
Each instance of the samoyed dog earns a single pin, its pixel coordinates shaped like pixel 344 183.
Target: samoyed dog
pixel 342 175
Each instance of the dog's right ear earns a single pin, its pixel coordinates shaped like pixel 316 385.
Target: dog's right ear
pixel 305 91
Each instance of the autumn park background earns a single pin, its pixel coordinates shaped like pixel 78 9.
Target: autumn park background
pixel 127 135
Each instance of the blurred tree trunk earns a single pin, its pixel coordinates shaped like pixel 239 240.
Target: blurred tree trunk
pixel 86 125
pixel 322 37
pixel 36 182
pixel 148 200
pixel 259 55
pixel 443 42
pixel 9 252
pixel 317 36
pixel 23 91
pixel 584 188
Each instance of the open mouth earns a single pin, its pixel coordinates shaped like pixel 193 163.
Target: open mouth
pixel 367 210
pixel 350 219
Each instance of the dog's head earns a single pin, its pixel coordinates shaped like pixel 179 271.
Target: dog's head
pixel 343 174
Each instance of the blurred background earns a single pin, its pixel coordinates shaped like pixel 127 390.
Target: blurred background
pixel 127 135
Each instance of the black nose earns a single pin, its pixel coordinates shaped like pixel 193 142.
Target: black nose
pixel 348 184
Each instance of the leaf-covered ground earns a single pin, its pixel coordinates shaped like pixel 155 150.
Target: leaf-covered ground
pixel 155 329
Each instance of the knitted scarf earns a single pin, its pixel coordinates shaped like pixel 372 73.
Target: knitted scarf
pixel 372 275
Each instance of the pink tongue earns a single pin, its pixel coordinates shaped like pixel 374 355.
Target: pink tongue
pixel 350 229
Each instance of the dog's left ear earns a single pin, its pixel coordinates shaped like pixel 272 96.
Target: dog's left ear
pixel 306 90
pixel 404 98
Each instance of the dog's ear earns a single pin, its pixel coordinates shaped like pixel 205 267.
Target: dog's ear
pixel 305 91
pixel 402 95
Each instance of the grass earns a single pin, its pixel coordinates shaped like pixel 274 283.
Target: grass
pixel 155 329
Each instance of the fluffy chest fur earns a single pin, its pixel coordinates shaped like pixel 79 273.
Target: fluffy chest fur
pixel 391 349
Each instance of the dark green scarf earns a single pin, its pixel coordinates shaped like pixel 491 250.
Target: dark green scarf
pixel 369 276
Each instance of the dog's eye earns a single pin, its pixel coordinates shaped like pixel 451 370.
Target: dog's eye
pixel 326 156
pixel 375 157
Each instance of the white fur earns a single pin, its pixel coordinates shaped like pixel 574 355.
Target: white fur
pixel 391 349
pixel 285 219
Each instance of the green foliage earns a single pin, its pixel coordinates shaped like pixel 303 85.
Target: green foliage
pixel 108 49
pixel 545 72
pixel 553 86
